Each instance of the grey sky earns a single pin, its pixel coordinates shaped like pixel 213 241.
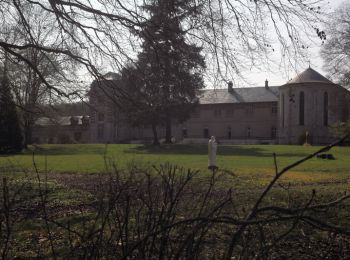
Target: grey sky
pixel 279 74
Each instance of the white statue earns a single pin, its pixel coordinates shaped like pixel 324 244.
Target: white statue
pixel 212 148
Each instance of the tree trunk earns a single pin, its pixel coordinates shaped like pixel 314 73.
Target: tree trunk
pixel 27 135
pixel 27 129
pixel 168 131
pixel 155 135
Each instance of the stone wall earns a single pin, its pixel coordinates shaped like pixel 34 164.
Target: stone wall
pixel 290 129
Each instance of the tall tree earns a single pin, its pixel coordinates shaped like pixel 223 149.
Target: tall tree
pixel 142 103
pixel 336 50
pixel 29 90
pixel 169 68
pixel 234 34
pixel 10 131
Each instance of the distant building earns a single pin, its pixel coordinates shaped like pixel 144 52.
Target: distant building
pixel 62 130
pixel 310 103
pixel 305 106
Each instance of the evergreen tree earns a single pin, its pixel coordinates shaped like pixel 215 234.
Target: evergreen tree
pixel 10 131
pixel 169 70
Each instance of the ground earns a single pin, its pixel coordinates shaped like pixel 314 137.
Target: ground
pixel 251 163
pixel 74 176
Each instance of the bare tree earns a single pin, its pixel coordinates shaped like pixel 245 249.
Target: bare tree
pixel 28 88
pixel 100 35
pixel 336 50
pixel 234 34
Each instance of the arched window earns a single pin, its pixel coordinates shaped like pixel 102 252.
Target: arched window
pixel 301 108
pixel 282 110
pixel 325 109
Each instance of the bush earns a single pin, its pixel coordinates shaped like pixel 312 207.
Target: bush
pixel 340 129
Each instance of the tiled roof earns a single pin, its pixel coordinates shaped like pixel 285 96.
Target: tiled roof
pixel 309 75
pixel 239 95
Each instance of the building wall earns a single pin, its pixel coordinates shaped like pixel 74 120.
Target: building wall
pixel 225 121
pixel 268 121
pixel 290 129
pixel 58 134
pixel 233 121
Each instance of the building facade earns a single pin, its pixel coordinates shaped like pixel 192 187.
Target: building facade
pixel 62 130
pixel 311 103
pixel 300 110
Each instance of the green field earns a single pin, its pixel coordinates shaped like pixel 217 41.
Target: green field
pixel 250 163
pixel 74 178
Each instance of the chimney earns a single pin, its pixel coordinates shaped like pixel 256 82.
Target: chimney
pixel 266 84
pixel 230 86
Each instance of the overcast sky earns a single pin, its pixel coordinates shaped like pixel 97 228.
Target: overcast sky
pixel 279 74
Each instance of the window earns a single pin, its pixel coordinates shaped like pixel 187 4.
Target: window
pixel 229 133
pixel 85 120
pixel 184 133
pixel 74 120
pixel 93 117
pixel 77 136
pixel 229 112
pixel 217 112
pixel 100 131
pixel 249 132
pixel 273 132
pixel 196 114
pixel 274 109
pixel 206 132
pixel 51 140
pixel 301 108
pixel 100 117
pixel 325 109
pixel 250 110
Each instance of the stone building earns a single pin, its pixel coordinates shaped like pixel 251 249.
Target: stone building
pixel 305 105
pixel 310 103
pixel 62 130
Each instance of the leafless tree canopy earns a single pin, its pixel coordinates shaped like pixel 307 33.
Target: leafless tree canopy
pixel 336 51
pixel 99 35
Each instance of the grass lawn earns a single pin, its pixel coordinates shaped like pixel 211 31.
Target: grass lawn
pixel 73 189
pixel 253 164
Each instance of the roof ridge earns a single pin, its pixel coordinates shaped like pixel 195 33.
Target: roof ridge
pixel 309 75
